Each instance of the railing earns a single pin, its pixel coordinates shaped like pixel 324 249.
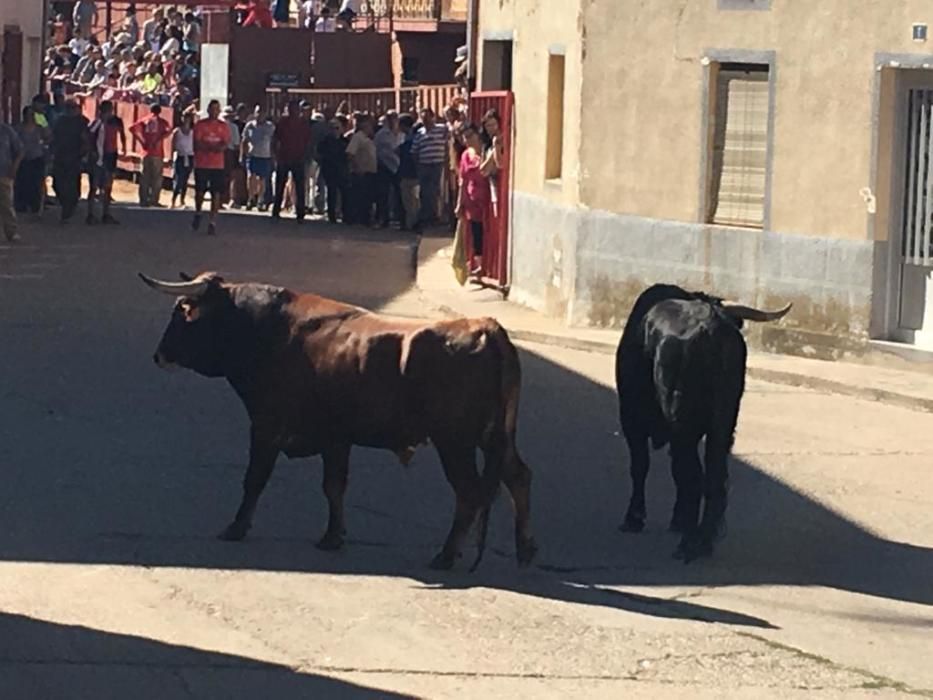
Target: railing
pixel 433 10
pixel 375 101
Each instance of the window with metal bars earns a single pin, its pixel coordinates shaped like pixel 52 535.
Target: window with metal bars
pixel 739 145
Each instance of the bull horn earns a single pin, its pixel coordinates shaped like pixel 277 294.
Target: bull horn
pixel 185 277
pixel 749 313
pixel 178 289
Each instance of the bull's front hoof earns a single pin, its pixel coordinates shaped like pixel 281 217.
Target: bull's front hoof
pixel 632 524
pixel 443 562
pixel 330 542
pixel 234 532
pixel 691 549
pixel 526 552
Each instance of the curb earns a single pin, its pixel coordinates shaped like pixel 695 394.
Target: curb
pixel 772 376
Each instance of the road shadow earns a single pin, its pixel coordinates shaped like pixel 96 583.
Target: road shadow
pixel 111 461
pixel 41 659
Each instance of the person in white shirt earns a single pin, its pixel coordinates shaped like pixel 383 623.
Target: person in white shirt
pixel 183 150
pixel 325 23
pixel 78 44
pixel 307 13
pixel 361 155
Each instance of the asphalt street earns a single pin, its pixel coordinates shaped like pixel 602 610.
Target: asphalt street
pixel 117 476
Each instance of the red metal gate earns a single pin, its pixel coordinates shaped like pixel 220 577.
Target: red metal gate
pixel 12 76
pixel 495 267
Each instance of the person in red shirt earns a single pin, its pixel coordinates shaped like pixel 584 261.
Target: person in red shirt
pixel 292 142
pixel 106 130
pixel 211 138
pixel 151 132
pixel 258 14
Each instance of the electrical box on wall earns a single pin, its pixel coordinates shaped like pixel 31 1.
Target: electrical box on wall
pixel 920 32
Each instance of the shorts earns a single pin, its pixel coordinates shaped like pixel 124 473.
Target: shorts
pixel 209 180
pixel 260 167
pixel 104 170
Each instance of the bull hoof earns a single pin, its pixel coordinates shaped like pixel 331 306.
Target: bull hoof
pixel 632 524
pixel 526 552
pixel 443 562
pixel 330 542
pixel 235 532
pixel 691 549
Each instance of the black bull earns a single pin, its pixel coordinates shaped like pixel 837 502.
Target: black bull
pixel 318 377
pixel 680 374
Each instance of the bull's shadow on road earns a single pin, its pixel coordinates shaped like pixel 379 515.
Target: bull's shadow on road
pixel 46 659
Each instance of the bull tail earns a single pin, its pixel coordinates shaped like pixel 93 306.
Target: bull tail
pixel 500 443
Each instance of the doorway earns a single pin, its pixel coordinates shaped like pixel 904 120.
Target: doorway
pixel 911 269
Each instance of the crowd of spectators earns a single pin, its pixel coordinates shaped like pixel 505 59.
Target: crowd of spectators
pixel 157 61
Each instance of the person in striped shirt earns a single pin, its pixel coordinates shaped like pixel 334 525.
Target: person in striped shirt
pixel 430 151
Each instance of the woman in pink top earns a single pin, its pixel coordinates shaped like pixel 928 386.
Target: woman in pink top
pixel 473 200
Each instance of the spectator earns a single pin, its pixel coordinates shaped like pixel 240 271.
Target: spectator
pixel 474 196
pixel 333 154
pixel 106 131
pixel 11 153
pixel 152 80
pixel 493 155
pixel 131 25
pixel 388 196
pixel 84 17
pixel 187 72
pixel 171 42
pixel 183 151
pixel 292 141
pixel 151 133
pixel 257 153
pixel 27 188
pixel 78 45
pixel 319 130
pixel 211 140
pixel 325 24
pixel 307 13
pixel 191 42
pixel 408 173
pixel 259 15
pixel 281 12
pixel 151 28
pixel 349 11
pixel 363 162
pixel 430 151
pixel 70 146
pixel 456 147
pixel 128 78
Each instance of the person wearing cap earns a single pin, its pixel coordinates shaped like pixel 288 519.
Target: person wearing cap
pixel 151 132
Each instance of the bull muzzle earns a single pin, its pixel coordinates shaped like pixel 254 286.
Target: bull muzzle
pixel 162 362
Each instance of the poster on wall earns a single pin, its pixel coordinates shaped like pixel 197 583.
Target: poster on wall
pixel 215 71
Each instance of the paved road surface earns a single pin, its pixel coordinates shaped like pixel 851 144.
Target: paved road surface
pixel 117 476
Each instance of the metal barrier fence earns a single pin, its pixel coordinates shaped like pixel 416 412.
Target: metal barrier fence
pixel 375 101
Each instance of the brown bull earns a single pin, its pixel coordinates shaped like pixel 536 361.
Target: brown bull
pixel 317 377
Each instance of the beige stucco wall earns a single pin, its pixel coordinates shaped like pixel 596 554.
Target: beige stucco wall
pixel 537 27
pixel 27 15
pixel 642 84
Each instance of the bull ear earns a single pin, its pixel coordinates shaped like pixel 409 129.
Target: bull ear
pixel 749 313
pixel 185 277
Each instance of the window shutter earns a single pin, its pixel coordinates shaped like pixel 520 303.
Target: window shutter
pixel 740 146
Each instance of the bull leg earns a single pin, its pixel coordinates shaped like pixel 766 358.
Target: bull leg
pixel 460 468
pixel 715 491
pixel 336 466
pixel 640 460
pixel 517 478
pixel 688 478
pixel 262 456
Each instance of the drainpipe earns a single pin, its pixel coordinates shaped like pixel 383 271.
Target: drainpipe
pixel 43 43
pixel 472 42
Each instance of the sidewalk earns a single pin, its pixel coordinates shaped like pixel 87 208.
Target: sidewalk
pixel 439 290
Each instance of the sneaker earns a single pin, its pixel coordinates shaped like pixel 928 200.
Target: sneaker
pixel 196 222
pixel 211 229
pixel 108 219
